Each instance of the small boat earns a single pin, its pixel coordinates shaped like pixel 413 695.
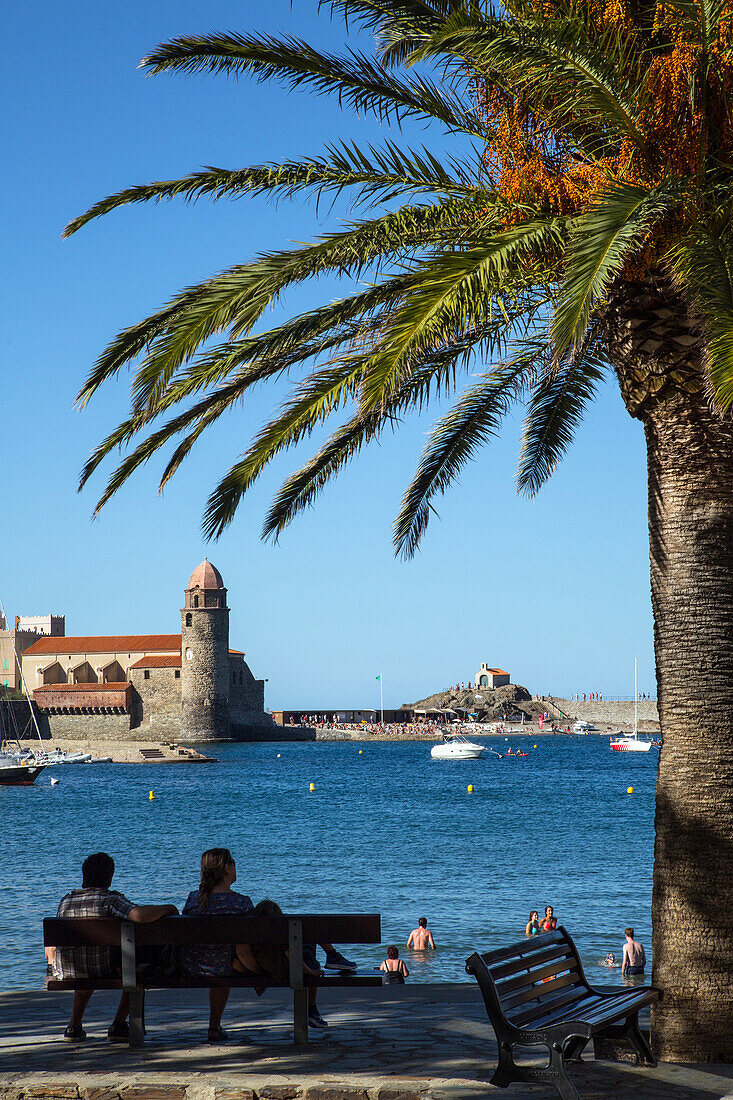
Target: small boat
pixel 15 773
pixel 456 747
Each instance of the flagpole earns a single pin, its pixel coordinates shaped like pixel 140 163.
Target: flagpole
pixel 381 699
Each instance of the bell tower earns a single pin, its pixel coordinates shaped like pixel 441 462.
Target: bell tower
pixel 205 657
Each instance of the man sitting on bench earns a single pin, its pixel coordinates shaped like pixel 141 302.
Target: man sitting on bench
pixel 95 899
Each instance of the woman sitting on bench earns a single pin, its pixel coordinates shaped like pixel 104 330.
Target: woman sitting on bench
pixel 215 897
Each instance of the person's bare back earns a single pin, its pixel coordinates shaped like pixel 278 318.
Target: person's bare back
pixel 421 938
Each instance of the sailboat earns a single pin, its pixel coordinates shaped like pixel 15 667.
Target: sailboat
pixel 20 767
pixel 631 743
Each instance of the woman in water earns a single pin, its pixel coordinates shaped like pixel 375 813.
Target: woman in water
pixel 394 968
pixel 549 921
pixel 533 924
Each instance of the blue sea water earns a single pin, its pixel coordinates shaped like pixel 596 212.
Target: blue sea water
pixel 387 829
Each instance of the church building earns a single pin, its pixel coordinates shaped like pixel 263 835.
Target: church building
pixel 189 686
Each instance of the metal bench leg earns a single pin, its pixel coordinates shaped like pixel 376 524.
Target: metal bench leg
pixel 300 1016
pixel 504 1072
pixel 557 1077
pixel 634 1035
pixel 137 1017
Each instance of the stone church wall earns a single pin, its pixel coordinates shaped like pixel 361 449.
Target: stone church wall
pixel 84 727
pixel 156 704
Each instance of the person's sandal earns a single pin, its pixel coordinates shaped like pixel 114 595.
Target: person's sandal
pixel 217 1035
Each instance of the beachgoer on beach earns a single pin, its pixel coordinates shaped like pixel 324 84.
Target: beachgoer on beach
pixel 95 899
pixel 394 968
pixel 634 956
pixel 421 938
pixel 549 921
pixel 533 924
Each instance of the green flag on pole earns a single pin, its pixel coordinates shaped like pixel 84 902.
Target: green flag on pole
pixel 379 677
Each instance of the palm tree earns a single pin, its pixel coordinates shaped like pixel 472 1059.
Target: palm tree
pixel 581 228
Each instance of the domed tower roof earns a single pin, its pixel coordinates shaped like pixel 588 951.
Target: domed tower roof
pixel 206 576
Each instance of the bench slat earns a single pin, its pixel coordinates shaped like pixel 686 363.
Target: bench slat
pixel 567 1004
pixel 505 970
pixel 524 948
pixel 595 1009
pixel 192 981
pixel 546 990
pixel 531 976
pixel 179 931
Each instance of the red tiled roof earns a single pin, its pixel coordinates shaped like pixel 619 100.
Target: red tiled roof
pixel 237 652
pixel 497 671
pixel 105 643
pixel 70 688
pixel 159 660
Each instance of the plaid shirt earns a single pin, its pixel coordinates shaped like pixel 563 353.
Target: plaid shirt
pixel 90 962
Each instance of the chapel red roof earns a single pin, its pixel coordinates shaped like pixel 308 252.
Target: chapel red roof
pixel 105 643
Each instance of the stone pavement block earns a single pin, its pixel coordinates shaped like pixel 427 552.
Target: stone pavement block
pixel 235 1094
pixel 392 1093
pixel 51 1091
pixel 336 1092
pixel 153 1092
pixel 278 1092
pixel 101 1094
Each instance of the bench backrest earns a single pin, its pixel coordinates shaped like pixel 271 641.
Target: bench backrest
pixel 177 931
pixel 522 982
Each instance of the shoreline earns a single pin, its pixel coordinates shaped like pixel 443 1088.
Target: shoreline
pixel 167 752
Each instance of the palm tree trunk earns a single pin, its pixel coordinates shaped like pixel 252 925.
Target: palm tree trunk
pixel 657 349
pixel 690 464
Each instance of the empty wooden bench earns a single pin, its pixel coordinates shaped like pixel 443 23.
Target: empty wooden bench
pixel 536 994
pixel 289 930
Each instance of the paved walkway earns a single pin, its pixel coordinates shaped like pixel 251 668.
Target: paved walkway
pixel 420 1042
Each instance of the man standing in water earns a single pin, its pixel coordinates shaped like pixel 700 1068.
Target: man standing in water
pixel 634 959
pixel 421 938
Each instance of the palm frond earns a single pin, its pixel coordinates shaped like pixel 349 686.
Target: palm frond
pixel 235 299
pixel 457 288
pixel 556 407
pixel 374 174
pixel 703 264
pixel 475 418
pixel 359 82
pixel 601 240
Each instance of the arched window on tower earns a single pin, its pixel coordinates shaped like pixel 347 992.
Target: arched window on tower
pixel 189 619
pixel 195 601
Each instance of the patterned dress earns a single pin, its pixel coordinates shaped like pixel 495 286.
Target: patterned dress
pixel 214 959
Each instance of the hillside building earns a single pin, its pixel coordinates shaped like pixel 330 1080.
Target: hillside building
pixel 491 677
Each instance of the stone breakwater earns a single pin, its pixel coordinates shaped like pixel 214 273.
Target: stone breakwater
pixel 607 713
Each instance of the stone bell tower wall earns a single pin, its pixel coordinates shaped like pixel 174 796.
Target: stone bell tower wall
pixel 205 673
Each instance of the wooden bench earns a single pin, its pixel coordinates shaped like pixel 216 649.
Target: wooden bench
pixel 289 930
pixel 536 993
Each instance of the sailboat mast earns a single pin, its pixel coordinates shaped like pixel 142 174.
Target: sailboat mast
pixel 636 698
pixel 22 679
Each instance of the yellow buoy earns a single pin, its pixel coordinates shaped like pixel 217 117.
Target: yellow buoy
pixel 151 796
pixel 629 790
pixel 312 787
pixel 360 751
pixel 470 788
pixel 534 746
pixel 279 755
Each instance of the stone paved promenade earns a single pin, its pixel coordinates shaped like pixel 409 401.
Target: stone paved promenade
pixel 407 1043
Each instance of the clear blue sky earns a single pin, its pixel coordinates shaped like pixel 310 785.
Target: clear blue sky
pixel 555 590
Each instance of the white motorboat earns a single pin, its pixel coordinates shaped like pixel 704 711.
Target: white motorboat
pixel 456 747
pixel 583 727
pixel 631 742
